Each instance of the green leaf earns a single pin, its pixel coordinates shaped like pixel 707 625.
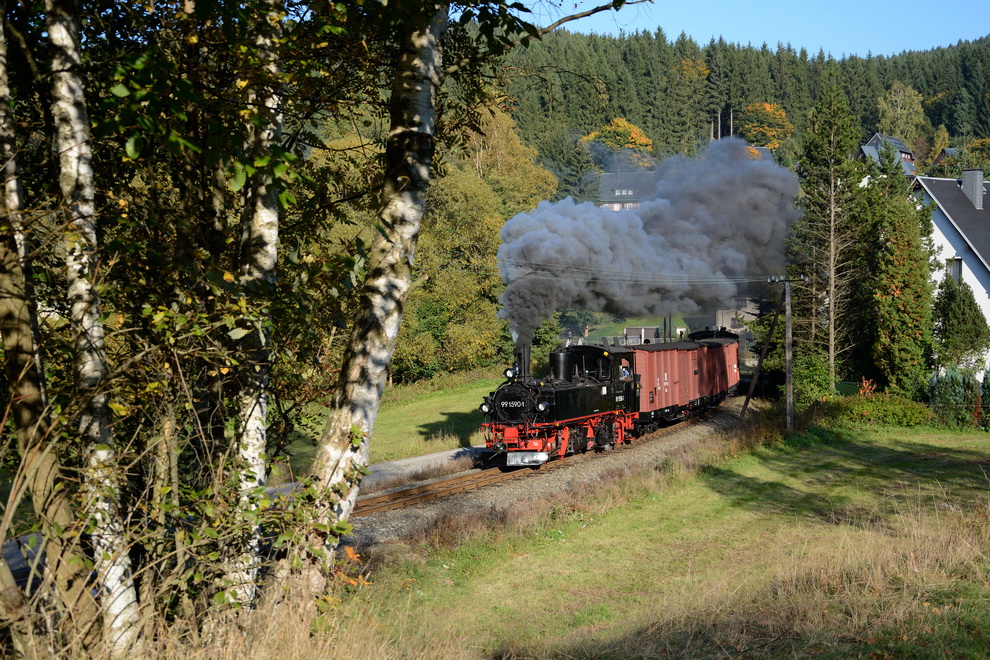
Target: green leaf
pixel 120 90
pixel 238 333
pixel 286 199
pixel 238 180
pixel 134 145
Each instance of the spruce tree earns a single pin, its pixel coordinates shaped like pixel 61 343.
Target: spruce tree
pixel 962 336
pixel 901 286
pixel 826 238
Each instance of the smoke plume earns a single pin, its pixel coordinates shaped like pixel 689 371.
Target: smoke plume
pixel 713 223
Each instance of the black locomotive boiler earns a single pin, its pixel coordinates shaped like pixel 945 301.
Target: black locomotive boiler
pixel 597 396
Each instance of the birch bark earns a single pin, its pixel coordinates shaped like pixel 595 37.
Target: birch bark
pixel 40 473
pixel 102 480
pixel 343 446
pixel 259 257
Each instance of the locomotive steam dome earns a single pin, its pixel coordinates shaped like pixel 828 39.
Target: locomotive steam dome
pixel 513 403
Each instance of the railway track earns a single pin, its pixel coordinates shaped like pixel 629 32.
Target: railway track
pixel 467 482
pixel 459 484
pixel 424 493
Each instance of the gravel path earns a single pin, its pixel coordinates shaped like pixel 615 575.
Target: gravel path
pixel 393 526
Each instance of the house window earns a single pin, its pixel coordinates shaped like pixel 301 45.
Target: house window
pixel 953 267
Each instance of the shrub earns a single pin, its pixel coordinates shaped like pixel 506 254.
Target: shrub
pixel 811 379
pixel 956 398
pixel 888 410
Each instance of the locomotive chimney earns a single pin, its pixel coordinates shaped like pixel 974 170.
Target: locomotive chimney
pixel 522 352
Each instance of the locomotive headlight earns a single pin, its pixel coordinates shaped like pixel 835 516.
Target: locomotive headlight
pixel 510 372
pixel 542 406
pixel 485 408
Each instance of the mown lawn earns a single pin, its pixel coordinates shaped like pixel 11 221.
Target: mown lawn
pixel 431 421
pixel 417 419
pixel 838 543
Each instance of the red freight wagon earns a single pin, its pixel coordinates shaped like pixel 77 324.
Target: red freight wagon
pixel 599 395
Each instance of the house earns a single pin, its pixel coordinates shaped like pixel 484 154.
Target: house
pixel 618 191
pixel 946 154
pixel 961 230
pixel 871 152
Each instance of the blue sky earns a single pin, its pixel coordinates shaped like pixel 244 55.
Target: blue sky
pixel 839 27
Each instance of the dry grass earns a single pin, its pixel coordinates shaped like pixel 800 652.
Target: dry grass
pixel 289 633
pixel 884 580
pixel 883 577
pixel 822 595
pixel 617 487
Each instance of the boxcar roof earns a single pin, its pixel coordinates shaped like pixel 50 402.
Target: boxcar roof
pixel 668 346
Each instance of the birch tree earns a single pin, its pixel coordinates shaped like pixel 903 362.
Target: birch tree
pixel 39 477
pixel 259 252
pixel 102 480
pixel 419 68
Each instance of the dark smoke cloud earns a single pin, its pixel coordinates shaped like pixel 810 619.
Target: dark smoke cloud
pixel 712 223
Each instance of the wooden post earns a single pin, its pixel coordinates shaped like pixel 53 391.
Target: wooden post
pixel 788 344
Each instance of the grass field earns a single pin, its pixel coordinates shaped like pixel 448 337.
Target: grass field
pixel 838 543
pixel 617 328
pixel 417 419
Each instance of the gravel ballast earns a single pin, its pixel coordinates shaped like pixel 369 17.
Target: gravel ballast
pixel 652 450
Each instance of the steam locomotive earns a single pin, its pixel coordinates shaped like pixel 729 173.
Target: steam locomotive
pixel 597 396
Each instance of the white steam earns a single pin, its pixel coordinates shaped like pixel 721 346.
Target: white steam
pixel 713 222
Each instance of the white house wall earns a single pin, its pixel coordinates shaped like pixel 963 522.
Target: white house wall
pixel 949 244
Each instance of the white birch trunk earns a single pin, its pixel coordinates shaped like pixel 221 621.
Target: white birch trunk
pixel 117 595
pixel 259 253
pixel 14 610
pixel 344 443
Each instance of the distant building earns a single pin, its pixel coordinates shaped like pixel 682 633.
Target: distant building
pixel 619 191
pixel 870 152
pixel 735 319
pixel 944 154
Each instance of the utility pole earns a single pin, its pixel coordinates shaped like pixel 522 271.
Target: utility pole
pixel 763 356
pixel 788 346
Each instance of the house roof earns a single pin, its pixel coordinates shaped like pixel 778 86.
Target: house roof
pixel 948 152
pixel 972 224
pixel 879 138
pixel 872 153
pixel 627 186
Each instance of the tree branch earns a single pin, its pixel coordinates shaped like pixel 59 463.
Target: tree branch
pixel 525 40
